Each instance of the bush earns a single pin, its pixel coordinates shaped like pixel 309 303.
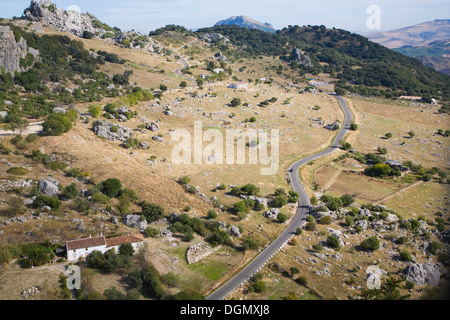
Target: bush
pixel 250 244
pixel 370 244
pixel 326 220
pixel 317 247
pixel 405 256
pixel 310 226
pixel 56 125
pixel 333 242
pixel 126 249
pixel 111 187
pixel 19 171
pixel 235 102
pixel 71 191
pixel 211 214
pixel 302 281
pixel 151 232
pixel 280 201
pixel 434 247
pixel 281 217
pixel 52 202
pixel 152 212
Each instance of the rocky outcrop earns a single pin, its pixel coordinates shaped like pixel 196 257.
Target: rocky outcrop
pixel 111 131
pixel 12 50
pixel 272 213
pixel 49 187
pixel 235 232
pixel 300 58
pixel 134 221
pixel 213 37
pixel 77 23
pixel 423 273
pixel 62 20
pixel 198 252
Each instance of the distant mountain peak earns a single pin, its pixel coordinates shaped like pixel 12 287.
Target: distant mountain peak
pixel 246 22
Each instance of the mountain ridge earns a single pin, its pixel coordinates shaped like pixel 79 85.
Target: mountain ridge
pixel 246 22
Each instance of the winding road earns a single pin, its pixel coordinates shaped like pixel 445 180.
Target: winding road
pixel 303 209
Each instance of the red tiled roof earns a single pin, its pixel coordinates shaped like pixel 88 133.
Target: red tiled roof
pixel 117 241
pixel 85 243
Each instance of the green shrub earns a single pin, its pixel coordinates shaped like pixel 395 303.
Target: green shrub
pixel 111 187
pixel 405 256
pixel 333 242
pixel 326 220
pixel 310 226
pixel 19 171
pixel 370 244
pixel 52 202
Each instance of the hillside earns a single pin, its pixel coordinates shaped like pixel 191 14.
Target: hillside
pixel 357 64
pixel 417 35
pixel 107 133
pixel 428 42
pixel 246 22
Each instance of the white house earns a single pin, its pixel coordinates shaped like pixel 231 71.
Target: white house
pixel 239 86
pixel 218 70
pixel 81 248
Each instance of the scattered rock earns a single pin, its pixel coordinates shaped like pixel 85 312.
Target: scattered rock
pixel 423 273
pixel 49 187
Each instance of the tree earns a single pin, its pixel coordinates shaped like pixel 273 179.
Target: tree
pixel 333 242
pixel 126 249
pixel 235 102
pixel 389 290
pixel 294 271
pixel 111 187
pixel 370 244
pixel 87 34
pixel 15 207
pixel 281 217
pixel 326 220
pixel 124 204
pixel 280 201
pixel 163 87
pixel 411 134
pixel 152 212
pixel 405 255
pixel 212 214
pixel 347 200
pixel 388 135
pixel 183 84
pixel 56 125
pixel 353 126
pixel 95 110
pixel 71 191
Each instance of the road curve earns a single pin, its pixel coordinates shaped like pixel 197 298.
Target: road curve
pixel 304 207
pixel 185 65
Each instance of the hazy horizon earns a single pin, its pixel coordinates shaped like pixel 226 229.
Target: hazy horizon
pixel 145 16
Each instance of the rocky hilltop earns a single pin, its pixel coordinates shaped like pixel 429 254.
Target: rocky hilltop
pixel 246 22
pixel 13 50
pixel 85 25
pixel 62 20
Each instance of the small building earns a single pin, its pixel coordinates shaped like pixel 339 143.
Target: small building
pixel 411 98
pixel 239 86
pixel 81 248
pixel 218 70
pixel 394 163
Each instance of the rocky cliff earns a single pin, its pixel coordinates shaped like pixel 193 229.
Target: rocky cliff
pixel 12 50
pixel 66 21
pixel 78 23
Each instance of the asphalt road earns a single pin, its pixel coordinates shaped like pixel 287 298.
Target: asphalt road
pixel 304 208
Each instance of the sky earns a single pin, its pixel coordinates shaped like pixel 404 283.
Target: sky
pixel 351 15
